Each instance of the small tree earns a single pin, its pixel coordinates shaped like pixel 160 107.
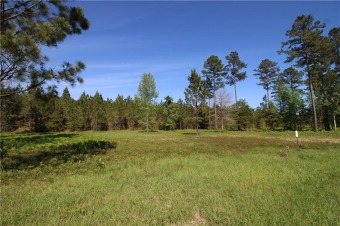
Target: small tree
pixel 147 94
pixel 225 110
pixel 245 115
pixel 167 114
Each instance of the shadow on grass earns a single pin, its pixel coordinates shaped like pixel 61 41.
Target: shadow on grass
pixel 192 133
pixel 150 131
pixel 41 138
pixel 56 154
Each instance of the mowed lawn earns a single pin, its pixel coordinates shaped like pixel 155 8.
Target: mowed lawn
pixel 174 178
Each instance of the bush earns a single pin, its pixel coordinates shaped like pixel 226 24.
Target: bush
pixel 3 152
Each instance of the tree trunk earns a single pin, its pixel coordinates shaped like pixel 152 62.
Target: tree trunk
pixel 315 120
pixel 235 93
pixel 147 119
pixel 334 119
pixel 196 120
pixel 238 121
pixel 209 112
pixel 326 116
pixel 215 109
pixel 268 98
pixel 222 118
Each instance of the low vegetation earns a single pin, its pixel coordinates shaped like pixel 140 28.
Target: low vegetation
pixel 170 178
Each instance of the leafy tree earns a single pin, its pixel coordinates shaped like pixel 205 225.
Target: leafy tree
pixel 147 94
pixel 303 47
pixel 225 110
pixel 290 104
pixel 234 67
pixel 245 115
pixel 214 73
pixel 26 26
pixel 267 72
pixel 267 115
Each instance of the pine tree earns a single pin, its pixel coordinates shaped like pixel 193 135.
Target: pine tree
pixel 234 67
pixel 304 47
pixel 214 73
pixel 84 105
pixel 267 72
pixel 234 74
pixel 194 93
pixel 98 121
pixel 293 78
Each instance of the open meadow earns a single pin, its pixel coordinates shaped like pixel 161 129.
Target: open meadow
pixel 170 178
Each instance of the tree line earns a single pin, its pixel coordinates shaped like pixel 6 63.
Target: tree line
pixel 305 94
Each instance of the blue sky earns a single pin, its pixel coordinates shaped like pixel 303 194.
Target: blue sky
pixel 168 39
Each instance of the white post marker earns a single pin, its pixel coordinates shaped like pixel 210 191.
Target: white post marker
pixel 297 137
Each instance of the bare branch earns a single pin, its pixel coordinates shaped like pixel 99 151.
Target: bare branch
pixel 15 6
pixel 23 12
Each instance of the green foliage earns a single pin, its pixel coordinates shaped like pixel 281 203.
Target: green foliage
pixel 98 121
pixel 290 105
pixel 194 93
pixel 214 73
pixel 167 114
pixel 291 77
pixel 306 47
pixel 26 26
pixel 147 94
pixel 31 105
pixel 147 89
pixel 234 67
pixel 11 108
pixel 245 115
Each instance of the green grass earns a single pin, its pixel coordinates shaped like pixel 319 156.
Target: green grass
pixel 178 178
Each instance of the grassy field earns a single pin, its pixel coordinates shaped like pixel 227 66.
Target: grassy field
pixel 170 178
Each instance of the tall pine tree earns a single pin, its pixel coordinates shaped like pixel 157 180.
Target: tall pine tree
pixel 303 47
pixel 214 73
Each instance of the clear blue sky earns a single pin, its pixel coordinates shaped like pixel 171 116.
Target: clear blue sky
pixel 168 39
